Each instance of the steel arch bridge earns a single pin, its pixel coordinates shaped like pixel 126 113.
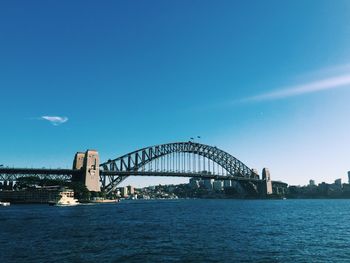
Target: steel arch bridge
pixel 184 159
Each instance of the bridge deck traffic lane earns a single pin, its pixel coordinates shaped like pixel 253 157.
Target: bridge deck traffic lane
pixel 39 171
pixel 176 174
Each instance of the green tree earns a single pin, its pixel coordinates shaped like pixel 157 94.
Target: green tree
pixel 80 191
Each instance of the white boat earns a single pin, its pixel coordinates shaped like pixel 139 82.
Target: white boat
pixel 4 203
pixel 66 199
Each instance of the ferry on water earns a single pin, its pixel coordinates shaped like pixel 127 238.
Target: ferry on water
pixel 66 198
pixel 4 203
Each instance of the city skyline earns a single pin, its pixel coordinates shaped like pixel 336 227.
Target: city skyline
pixel 267 83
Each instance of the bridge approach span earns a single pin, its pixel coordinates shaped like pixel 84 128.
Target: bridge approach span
pixel 12 174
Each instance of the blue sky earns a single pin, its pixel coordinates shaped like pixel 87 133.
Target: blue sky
pixel 267 81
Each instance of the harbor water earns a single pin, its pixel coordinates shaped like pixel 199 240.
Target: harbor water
pixel 178 231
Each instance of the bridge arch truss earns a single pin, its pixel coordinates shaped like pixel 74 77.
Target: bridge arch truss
pixel 173 159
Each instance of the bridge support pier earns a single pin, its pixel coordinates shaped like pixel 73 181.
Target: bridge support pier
pixel 88 163
pixel 265 188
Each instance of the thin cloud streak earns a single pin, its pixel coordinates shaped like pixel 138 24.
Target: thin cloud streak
pixel 325 84
pixel 55 120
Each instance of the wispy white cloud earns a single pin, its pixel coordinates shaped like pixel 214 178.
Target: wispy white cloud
pixel 55 120
pixel 332 70
pixel 314 86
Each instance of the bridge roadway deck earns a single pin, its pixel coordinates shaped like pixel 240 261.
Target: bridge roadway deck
pixel 70 172
pixel 38 171
pixel 14 173
pixel 176 174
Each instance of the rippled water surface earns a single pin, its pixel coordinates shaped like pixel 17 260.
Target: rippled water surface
pixel 178 231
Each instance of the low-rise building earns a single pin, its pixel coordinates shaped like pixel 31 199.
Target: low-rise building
pixel 194 183
pixel 38 195
pixel 123 191
pixel 338 182
pixel 208 183
pixel 218 185
pixel 131 190
pixel 227 183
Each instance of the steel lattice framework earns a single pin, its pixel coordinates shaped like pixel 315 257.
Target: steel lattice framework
pixel 12 174
pixel 113 172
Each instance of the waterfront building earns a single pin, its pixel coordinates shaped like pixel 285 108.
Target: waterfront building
pixel 312 182
pixel 227 183
pixel 123 191
pixel 346 189
pixel 280 188
pixel 131 190
pixel 237 186
pixel 194 183
pixel 36 195
pixel 337 182
pixel 218 185
pixel 171 188
pixel 233 183
pixel 208 183
pixel 323 188
pixel 335 190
